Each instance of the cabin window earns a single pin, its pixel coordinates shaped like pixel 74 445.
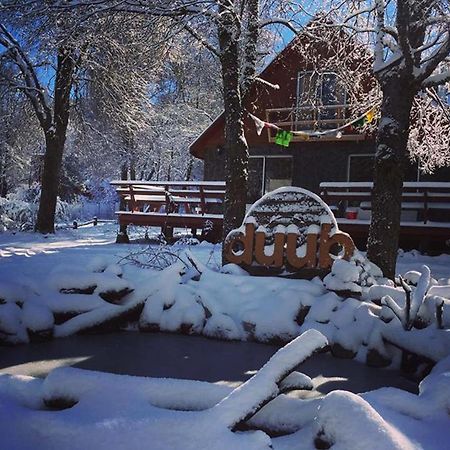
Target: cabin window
pixel 320 98
pixel 267 173
pixel 360 168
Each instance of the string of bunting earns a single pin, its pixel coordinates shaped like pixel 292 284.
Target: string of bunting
pixel 284 137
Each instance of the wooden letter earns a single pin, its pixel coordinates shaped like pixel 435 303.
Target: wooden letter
pixel 243 255
pixel 276 258
pixel 326 242
pixel 310 258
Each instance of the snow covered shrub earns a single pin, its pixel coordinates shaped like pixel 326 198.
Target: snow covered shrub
pixel 18 211
pixel 412 323
pixel 353 276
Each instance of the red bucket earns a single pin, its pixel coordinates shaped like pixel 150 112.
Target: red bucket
pixel 351 215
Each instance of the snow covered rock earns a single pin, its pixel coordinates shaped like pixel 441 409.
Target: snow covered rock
pixel 171 305
pixel 296 381
pixel 12 329
pixel 354 277
pixel 39 321
pixel 100 320
pixel 346 421
pixel 12 291
pixel 222 326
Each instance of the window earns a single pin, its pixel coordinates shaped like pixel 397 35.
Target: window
pixel 267 173
pixel 360 168
pixel 320 97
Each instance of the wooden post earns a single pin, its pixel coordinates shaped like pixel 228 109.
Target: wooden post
pixel 202 200
pixel 166 193
pixel 425 206
pixel 132 199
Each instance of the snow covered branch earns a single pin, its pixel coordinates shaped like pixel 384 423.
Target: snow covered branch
pixel 32 87
pixel 408 314
pixel 436 80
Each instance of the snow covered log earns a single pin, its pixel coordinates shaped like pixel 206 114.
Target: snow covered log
pixel 109 285
pixel 102 320
pixel 250 397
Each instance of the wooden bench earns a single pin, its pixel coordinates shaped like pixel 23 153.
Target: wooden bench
pixel 171 204
pixel 425 208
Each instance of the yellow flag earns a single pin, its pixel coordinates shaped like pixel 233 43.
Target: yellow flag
pixel 370 115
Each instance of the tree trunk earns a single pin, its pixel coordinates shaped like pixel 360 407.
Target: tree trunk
pixel 390 160
pixel 50 184
pixel 4 156
pixel 55 138
pixel 236 150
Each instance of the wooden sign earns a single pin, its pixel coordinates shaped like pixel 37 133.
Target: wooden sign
pixel 289 229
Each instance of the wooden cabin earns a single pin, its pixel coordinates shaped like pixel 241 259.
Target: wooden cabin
pixel 308 98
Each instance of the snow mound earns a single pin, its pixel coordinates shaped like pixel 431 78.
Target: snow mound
pixel 37 317
pixel 346 421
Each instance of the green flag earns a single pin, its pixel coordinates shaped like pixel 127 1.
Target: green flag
pixel 283 138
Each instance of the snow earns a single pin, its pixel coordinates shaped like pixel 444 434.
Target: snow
pixel 12 328
pixel 344 430
pixel 62 278
pixel 321 310
pixel 63 303
pixel 227 304
pixel 346 270
pixel 37 317
pixel 264 384
pixel 123 412
pixel 37 273
pixel 92 318
pixel 296 380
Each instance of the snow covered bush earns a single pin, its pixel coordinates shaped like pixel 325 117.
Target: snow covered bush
pixel 19 209
pixel 353 276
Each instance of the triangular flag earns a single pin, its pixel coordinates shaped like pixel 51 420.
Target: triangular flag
pixel 360 122
pixel 287 138
pixel 259 124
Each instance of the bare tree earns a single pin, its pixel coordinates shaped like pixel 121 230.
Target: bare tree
pixel 429 137
pixel 229 29
pixel 55 58
pixel 411 42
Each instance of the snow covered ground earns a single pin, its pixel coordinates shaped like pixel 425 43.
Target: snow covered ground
pixel 22 254
pixel 78 409
pixel 81 281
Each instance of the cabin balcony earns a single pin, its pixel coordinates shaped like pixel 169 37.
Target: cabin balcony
pixel 314 119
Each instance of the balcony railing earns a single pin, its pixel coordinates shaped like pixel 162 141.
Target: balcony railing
pixel 313 118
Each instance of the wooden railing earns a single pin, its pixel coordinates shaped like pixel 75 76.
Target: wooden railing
pixel 167 196
pixel 429 199
pixel 172 204
pixel 313 118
